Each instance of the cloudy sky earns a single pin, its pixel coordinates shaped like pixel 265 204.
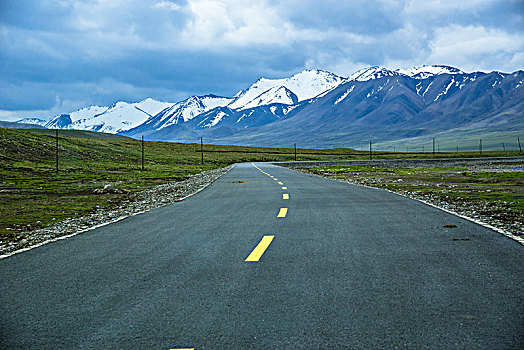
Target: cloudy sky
pixel 57 56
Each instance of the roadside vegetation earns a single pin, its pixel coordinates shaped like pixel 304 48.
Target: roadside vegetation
pixel 33 195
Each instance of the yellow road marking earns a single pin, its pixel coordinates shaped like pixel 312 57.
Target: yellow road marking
pixel 256 254
pixel 284 188
pixel 285 196
pixel 282 213
pixel 280 183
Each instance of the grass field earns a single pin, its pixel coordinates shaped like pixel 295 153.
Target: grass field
pixel 34 195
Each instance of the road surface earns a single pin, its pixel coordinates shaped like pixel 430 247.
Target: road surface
pixel 268 258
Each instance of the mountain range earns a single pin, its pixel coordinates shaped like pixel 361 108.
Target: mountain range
pixel 316 108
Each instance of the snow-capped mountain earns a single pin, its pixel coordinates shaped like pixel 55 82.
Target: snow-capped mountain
pixel 302 86
pixel 277 94
pixel 35 121
pixel 376 103
pixel 183 111
pixel 372 73
pixel 313 105
pixel 421 72
pixel 119 117
pixel 424 72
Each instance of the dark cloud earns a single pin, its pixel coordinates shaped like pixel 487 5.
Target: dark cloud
pixel 62 54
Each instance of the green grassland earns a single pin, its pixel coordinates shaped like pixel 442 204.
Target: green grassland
pixel 34 195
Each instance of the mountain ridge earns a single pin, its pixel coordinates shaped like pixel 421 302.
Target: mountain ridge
pixel 430 97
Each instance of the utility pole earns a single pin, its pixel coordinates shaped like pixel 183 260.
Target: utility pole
pixel 503 147
pixel 433 146
pixel 142 152
pixel 295 152
pixel 370 151
pixel 518 139
pixel 480 146
pixel 202 150
pixel 56 151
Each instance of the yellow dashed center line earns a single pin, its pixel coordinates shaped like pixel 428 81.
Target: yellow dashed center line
pixel 256 254
pixel 282 213
pixel 259 250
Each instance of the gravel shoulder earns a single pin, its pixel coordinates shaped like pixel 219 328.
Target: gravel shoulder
pixel 137 203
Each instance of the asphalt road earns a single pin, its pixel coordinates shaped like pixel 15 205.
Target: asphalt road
pixel 347 267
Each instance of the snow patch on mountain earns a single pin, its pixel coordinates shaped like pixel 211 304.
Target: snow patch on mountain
pixel 119 117
pixel 426 71
pixel 421 72
pixel 344 95
pixel 304 85
pixel 372 73
pixel 286 110
pixel 87 112
pixel 445 91
pixel 188 109
pixel 277 94
pixel 37 121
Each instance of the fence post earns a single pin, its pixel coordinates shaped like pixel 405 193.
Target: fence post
pixel 480 146
pixel 518 139
pixel 503 147
pixel 202 150
pixel 56 150
pixel 295 145
pixel 142 152
pixel 370 152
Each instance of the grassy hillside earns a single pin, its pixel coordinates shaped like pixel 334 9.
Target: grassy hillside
pixel 33 194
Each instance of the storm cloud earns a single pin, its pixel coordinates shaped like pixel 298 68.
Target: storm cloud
pixel 59 55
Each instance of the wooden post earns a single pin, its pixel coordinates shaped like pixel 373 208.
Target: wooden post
pixel 142 152
pixel 518 139
pixel 202 150
pixel 503 147
pixel 295 146
pixel 370 152
pixel 480 146
pixel 56 151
